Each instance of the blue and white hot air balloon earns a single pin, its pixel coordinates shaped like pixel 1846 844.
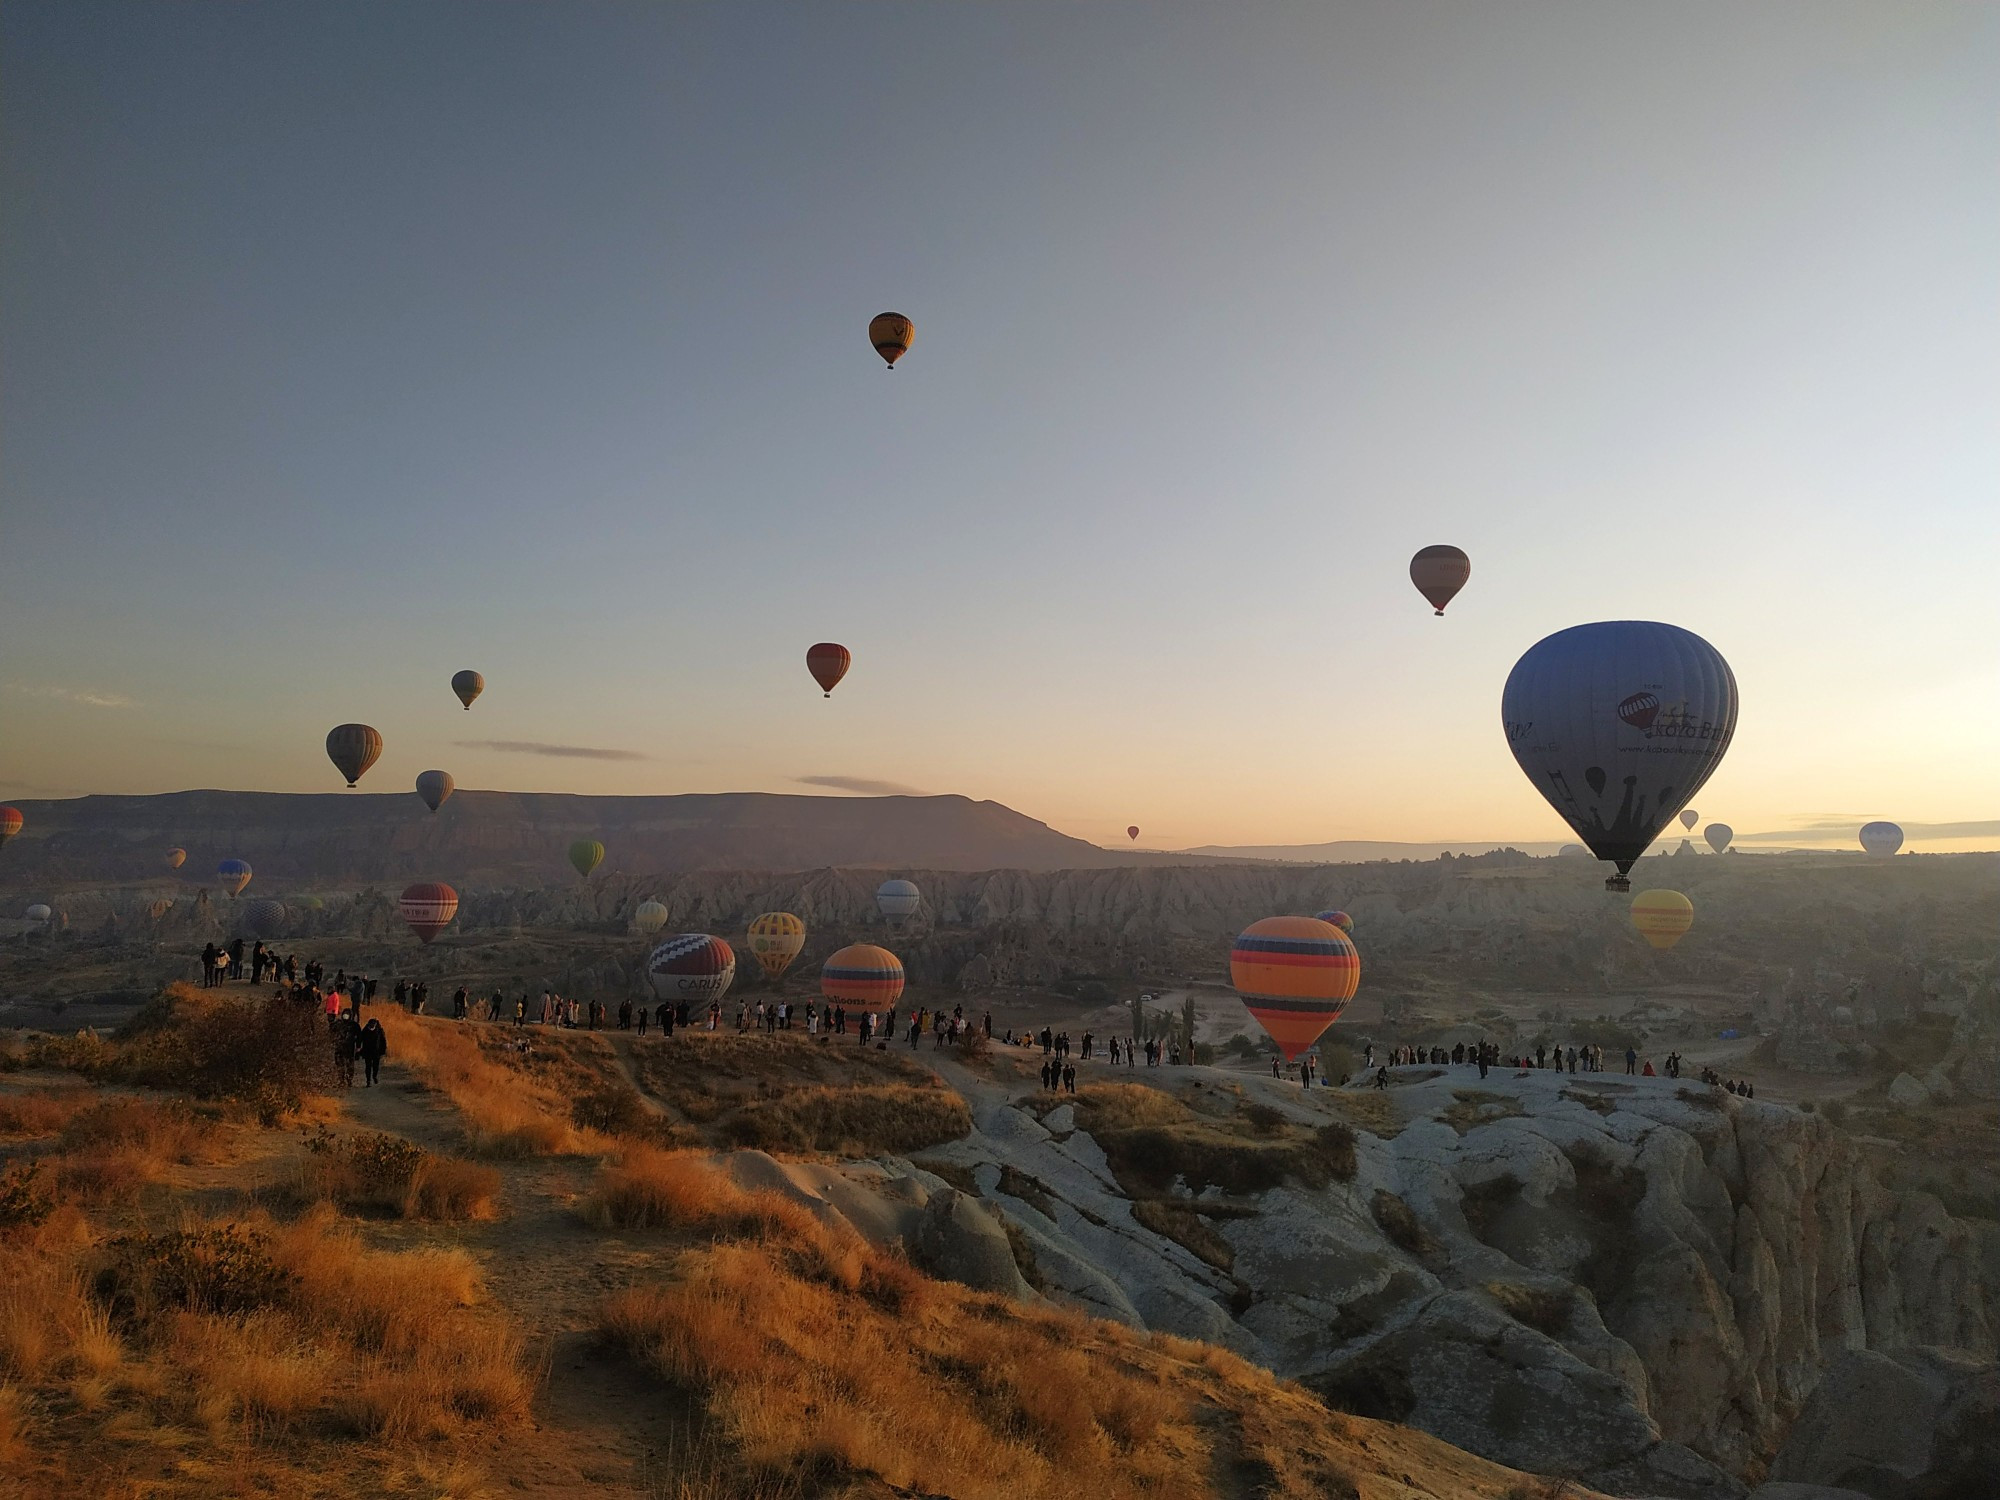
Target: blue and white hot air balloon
pixel 897 898
pixel 1881 839
pixel 1619 724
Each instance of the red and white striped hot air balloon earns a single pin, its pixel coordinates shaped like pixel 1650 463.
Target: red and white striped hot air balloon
pixel 428 908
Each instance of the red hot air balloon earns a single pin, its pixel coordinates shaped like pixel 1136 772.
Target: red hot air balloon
pixel 1439 573
pixel 828 663
pixel 10 823
pixel 1132 833
pixel 428 908
pixel 1640 710
pixel 353 748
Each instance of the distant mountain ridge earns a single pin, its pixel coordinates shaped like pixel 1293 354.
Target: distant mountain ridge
pixel 524 837
pixel 1364 851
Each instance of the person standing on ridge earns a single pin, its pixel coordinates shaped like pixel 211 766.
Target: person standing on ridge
pixel 374 1046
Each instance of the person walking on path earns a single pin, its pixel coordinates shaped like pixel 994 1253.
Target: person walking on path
pixel 374 1047
pixel 1631 1061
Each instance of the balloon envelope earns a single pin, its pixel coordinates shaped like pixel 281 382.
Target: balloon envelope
pixel 176 858
pixel 862 977
pixel 434 787
pixel 1689 817
pixel 1662 917
pixel 650 917
pixel 264 917
pixel 1439 573
pixel 467 685
pixel 1718 836
pixel 1295 975
pixel 891 333
pixel 1132 833
pixel 38 913
pixel 10 822
pixel 1881 839
pixel 353 748
pixel 828 662
pixel 586 855
pixel 1618 724
pixel 897 898
pixel 775 940
pixel 691 967
pixel 428 908
pixel 234 875
pixel 1339 919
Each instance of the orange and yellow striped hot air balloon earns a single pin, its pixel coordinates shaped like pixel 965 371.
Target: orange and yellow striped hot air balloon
pixel 1662 917
pixel 10 822
pixel 862 976
pixel 1295 975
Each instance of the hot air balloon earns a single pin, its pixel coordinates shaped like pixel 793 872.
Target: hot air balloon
pixel 10 823
pixel 309 903
pixel 1662 917
pixel 691 967
pixel 467 685
pixel 1132 833
pixel 1718 836
pixel 264 917
pixel 434 787
pixel 1618 724
pixel 38 913
pixel 1881 839
pixel 828 663
pixel 234 875
pixel 586 855
pixel 1689 817
pixel 1339 919
pixel 176 858
pixel 160 908
pixel 891 333
pixel 428 908
pixel 1573 851
pixel 862 977
pixel 1296 975
pixel 775 940
pixel 1439 573
pixel 897 898
pixel 650 917
pixel 353 748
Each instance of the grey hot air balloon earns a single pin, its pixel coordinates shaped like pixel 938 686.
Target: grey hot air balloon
pixel 1881 839
pixel 897 898
pixel 467 685
pixel 353 748
pixel 1618 724
pixel 434 787
pixel 1718 836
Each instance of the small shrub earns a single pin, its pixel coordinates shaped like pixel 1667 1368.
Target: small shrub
pixel 220 1268
pixel 1544 1309
pixel 1395 1219
pixel 26 1198
pixel 1263 1119
pixel 390 1175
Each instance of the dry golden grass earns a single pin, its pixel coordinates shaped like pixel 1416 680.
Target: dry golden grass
pixel 650 1188
pixel 863 1121
pixel 41 1111
pixel 252 1336
pixel 504 1111
pixel 387 1175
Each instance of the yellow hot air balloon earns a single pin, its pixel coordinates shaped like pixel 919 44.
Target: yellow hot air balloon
pixel 775 939
pixel 650 917
pixel 1662 917
pixel 890 333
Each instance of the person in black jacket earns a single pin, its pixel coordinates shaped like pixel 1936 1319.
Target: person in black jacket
pixel 374 1047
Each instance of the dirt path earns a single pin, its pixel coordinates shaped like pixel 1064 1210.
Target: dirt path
pixel 599 1420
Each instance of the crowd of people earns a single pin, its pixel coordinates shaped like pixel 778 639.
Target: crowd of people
pixel 341 1000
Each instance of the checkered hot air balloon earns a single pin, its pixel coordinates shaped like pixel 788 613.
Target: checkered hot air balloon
pixel 264 917
pixel 428 908
pixel 1295 975
pixel 862 977
pixel 691 967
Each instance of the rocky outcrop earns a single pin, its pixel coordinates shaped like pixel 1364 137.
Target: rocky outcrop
pixel 1637 1282
pixel 1909 1424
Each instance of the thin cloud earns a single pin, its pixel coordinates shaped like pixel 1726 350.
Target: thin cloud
pixel 860 784
pixel 1849 827
pixel 87 697
pixel 559 752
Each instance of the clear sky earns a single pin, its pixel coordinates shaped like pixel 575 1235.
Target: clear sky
pixel 343 345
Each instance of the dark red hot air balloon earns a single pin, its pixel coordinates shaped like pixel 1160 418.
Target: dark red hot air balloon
pixel 1132 833
pixel 828 663
pixel 1439 573
pixel 428 908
